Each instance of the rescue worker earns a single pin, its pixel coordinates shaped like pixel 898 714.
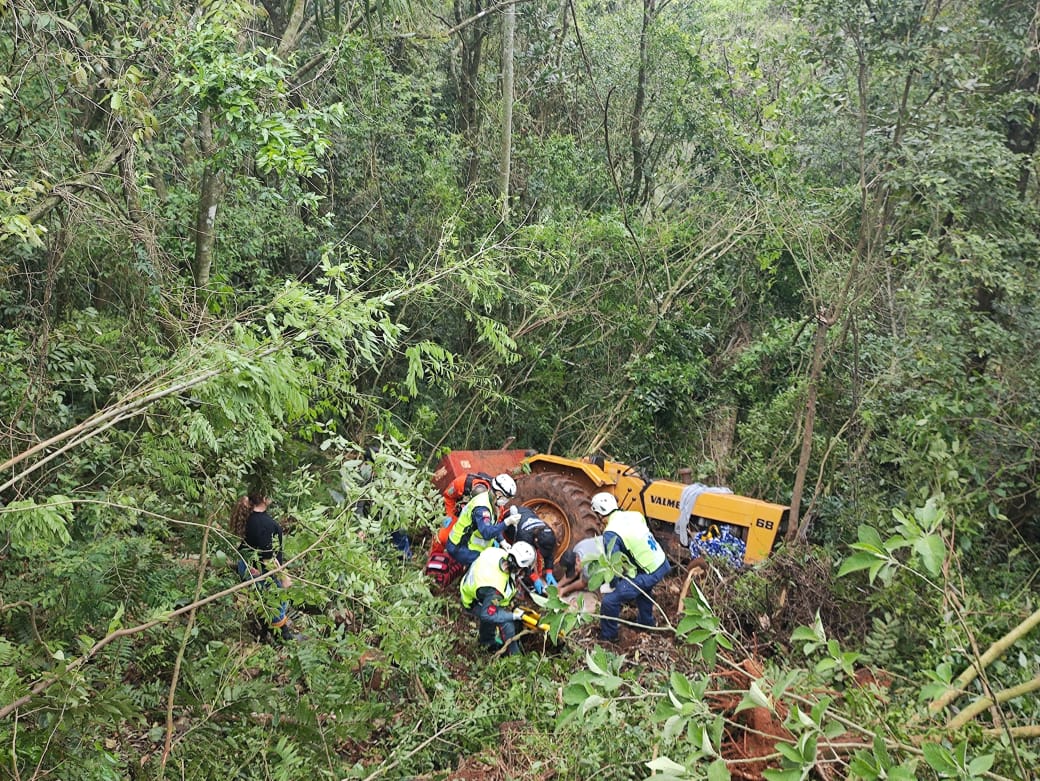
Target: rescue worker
pixel 478 526
pixel 576 564
pixel 626 532
pixel 461 490
pixel 487 589
pixel 540 536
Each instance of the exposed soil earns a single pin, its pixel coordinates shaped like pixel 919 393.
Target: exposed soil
pixel 786 593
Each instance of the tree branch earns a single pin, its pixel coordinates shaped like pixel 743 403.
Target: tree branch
pixel 993 653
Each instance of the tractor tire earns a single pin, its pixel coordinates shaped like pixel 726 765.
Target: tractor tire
pixel 562 501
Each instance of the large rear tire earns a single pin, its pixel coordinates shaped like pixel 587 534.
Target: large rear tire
pixel 562 501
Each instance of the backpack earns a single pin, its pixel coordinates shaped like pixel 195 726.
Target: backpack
pixel 476 478
pixel 443 568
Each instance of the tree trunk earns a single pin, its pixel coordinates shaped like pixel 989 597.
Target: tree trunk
pixel 209 197
pixel 471 39
pixel 636 190
pixel 508 31
pixel 797 526
pixel 293 30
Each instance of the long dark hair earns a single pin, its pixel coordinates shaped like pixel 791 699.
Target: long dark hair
pixel 240 514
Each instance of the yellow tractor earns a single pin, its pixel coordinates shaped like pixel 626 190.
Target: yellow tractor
pixel 559 489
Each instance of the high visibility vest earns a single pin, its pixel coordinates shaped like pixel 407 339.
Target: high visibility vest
pixel 464 532
pixel 486 572
pixel 631 527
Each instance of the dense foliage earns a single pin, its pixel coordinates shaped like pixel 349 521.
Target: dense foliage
pixel 791 247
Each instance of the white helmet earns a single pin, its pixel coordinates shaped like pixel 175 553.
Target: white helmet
pixel 505 485
pixel 523 555
pixel 603 504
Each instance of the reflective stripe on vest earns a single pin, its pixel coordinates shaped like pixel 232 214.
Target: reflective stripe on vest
pixel 631 527
pixel 464 533
pixel 486 572
pixel 531 524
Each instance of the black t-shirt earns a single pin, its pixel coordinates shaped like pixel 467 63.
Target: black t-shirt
pixel 261 530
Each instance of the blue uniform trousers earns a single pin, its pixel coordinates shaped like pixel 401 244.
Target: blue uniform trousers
pixel 638 590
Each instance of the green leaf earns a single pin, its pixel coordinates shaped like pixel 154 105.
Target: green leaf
pixel 981 764
pixel 717 771
pixel 930 515
pixel 860 766
pixel 597 662
pixel 806 633
pixel 672 727
pixel 868 535
pixel 665 765
pixel 933 552
pixel 758 696
pixel 592 701
pixel 938 758
pixel 707 749
pixel 902 773
pixel 858 562
pixel 708 651
pixel 117 620
pixel 782 775
pixel 789 752
pixel 575 694
pixel 680 684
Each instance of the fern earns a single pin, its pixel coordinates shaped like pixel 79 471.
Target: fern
pixel 881 643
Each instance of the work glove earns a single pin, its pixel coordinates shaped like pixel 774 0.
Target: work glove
pixel 550 579
pixel 606 588
pixel 513 518
pixel 539 586
pixel 518 614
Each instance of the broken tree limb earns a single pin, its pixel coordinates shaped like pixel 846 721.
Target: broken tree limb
pixel 993 653
pixel 983 703
pixel 61 190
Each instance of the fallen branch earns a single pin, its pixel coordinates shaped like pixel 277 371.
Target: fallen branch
pixel 45 683
pixel 983 703
pixel 1030 731
pixel 993 653
pixel 129 407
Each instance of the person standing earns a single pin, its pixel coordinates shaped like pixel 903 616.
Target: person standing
pixel 478 526
pixel 261 551
pixel 626 531
pixel 487 590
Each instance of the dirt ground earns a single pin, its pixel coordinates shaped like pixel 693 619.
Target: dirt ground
pixel 793 591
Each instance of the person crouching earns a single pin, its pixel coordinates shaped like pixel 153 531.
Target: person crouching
pixel 487 589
